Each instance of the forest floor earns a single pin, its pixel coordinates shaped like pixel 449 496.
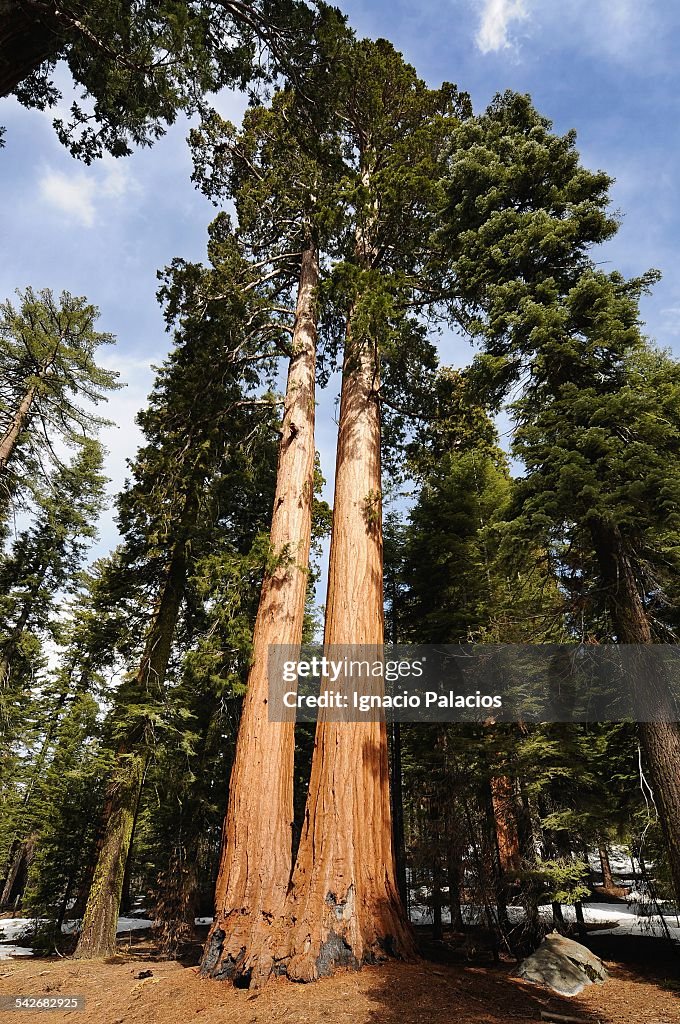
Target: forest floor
pixel 643 989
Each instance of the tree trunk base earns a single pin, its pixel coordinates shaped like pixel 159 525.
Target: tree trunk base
pixel 254 965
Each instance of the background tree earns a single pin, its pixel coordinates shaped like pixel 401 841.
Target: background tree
pixel 47 357
pixel 163 514
pixel 518 235
pixel 40 572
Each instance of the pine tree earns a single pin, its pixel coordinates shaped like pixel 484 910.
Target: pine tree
pixel 42 568
pixel 41 571
pixel 518 235
pixel 204 411
pixel 47 358
pixel 600 455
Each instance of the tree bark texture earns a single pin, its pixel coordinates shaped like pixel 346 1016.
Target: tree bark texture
pixel 607 876
pixel 98 933
pixel 256 858
pixel 15 428
pixel 344 907
pixel 503 799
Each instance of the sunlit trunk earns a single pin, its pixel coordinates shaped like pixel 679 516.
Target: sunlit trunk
pixel 256 858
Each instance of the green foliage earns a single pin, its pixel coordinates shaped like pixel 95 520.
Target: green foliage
pixel 556 881
pixel 521 217
pixel 47 365
pixel 39 571
pixel 140 64
pixel 64 808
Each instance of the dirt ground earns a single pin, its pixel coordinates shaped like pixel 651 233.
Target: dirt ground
pixel 420 993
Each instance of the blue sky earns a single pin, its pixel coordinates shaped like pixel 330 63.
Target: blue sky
pixel 607 68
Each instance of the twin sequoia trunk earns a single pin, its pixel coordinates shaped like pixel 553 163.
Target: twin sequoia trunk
pixel 344 908
pixel 256 856
pixel 98 933
pixel 660 740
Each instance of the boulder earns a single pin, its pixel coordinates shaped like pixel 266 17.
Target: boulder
pixel 562 965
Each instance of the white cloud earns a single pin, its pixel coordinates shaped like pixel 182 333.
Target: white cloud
pixel 80 195
pixel 73 195
pixel 616 28
pixel 496 18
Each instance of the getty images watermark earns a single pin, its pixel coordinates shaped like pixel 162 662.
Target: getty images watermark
pixel 475 683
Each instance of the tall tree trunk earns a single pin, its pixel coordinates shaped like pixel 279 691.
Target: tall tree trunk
pixel 98 933
pixel 344 907
pixel 529 890
pixel 493 859
pixel 15 882
pixel 660 740
pixel 25 42
pixel 437 929
pixel 256 857
pixel 126 888
pixel 607 877
pixel 20 419
pixel 580 922
pixel 503 799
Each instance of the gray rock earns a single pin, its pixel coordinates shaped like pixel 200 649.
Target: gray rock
pixel 563 965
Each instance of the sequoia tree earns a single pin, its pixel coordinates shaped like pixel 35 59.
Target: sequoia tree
pixel 281 192
pixel 343 906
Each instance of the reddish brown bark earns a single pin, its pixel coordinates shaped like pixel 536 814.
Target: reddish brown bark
pixel 256 855
pixel 503 799
pixel 344 907
pixel 607 876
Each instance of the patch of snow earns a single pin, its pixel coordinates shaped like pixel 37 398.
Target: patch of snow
pixel 13 928
pixel 125 924
pixel 622 918
pixel 22 927
pixel 10 949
